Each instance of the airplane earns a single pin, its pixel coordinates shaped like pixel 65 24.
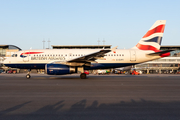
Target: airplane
pixel 68 61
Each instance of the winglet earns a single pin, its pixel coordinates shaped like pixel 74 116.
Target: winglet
pixel 114 48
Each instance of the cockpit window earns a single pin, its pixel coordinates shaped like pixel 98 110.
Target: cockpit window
pixel 14 55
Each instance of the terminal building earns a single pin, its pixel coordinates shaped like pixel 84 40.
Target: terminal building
pixel 7 51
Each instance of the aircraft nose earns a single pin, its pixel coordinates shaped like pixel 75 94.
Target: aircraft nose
pixel 5 61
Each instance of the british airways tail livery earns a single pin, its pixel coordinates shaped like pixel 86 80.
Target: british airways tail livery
pixel 68 61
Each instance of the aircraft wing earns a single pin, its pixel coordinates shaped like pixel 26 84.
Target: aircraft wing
pixel 90 57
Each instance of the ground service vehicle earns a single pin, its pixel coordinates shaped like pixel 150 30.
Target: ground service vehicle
pixel 134 72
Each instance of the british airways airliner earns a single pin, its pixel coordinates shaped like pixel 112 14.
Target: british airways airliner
pixel 68 61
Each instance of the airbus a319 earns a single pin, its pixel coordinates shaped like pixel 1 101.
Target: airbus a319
pixel 68 61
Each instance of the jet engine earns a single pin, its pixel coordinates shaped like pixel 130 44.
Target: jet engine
pixel 59 69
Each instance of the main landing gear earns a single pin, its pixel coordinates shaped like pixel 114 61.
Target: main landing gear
pixel 83 76
pixel 28 74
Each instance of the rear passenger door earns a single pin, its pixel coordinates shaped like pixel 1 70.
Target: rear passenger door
pixel 132 55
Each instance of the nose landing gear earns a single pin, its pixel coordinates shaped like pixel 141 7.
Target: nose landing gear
pixel 28 76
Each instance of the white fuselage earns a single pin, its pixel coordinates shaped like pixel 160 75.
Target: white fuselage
pixel 118 57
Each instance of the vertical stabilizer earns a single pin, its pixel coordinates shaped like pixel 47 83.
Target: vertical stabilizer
pixel 152 39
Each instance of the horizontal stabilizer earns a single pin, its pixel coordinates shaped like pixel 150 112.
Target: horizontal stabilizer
pixel 160 52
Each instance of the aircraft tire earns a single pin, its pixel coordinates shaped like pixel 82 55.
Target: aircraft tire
pixel 83 76
pixel 28 76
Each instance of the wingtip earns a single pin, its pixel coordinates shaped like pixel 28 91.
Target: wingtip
pixel 114 48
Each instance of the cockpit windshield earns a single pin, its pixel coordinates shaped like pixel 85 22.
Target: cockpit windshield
pixel 14 55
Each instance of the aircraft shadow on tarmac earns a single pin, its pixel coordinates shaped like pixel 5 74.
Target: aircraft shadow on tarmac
pixel 123 110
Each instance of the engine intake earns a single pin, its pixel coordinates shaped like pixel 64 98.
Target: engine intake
pixel 58 69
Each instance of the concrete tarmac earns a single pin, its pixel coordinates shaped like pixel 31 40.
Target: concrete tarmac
pixel 100 97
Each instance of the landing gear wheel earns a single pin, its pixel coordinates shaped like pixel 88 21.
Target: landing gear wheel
pixel 83 76
pixel 28 76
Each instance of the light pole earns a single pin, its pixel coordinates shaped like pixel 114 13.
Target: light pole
pixel 43 43
pixel 49 44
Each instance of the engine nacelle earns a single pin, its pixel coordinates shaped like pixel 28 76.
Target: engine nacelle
pixel 59 69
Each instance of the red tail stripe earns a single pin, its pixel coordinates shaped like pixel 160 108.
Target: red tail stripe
pixel 158 29
pixel 147 47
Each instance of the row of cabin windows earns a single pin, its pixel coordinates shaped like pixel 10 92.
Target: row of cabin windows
pixel 114 54
pixel 15 55
pixel 61 55
pixel 80 55
pixel 50 55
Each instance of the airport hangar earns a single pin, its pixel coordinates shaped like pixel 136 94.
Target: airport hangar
pixel 164 65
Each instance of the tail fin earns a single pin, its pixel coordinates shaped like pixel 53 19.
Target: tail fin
pixel 152 39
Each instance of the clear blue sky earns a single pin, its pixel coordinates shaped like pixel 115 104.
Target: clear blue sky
pixel 25 23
